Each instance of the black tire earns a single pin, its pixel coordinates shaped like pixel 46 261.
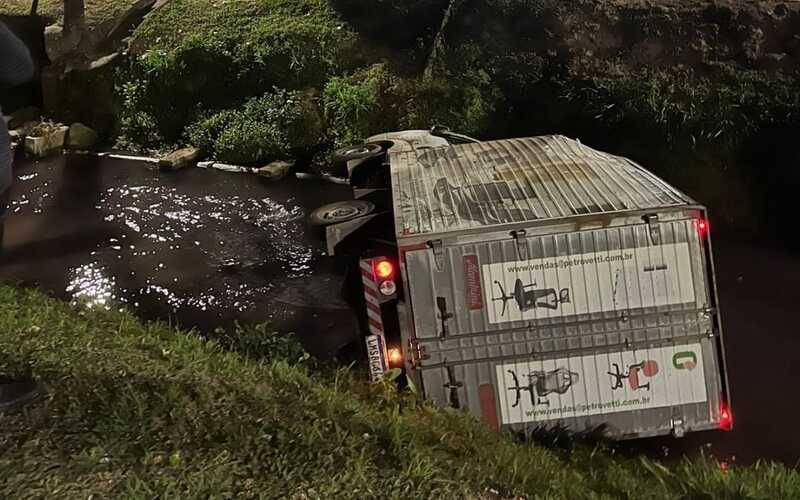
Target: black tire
pixel 341 211
pixel 358 152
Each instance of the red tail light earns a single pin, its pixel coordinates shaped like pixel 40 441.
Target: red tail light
pixel 384 269
pixel 702 227
pixel 725 417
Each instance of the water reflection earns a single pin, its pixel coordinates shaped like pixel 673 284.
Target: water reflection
pixel 202 248
pixel 232 234
pixel 90 285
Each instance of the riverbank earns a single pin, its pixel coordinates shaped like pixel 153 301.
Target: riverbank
pixel 704 94
pixel 133 409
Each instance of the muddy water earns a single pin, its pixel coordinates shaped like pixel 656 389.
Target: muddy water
pixel 199 247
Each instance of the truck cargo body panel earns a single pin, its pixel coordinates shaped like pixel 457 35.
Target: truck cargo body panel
pixel 547 283
pixel 581 328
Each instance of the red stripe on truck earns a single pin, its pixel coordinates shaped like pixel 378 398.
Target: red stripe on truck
pixel 376 324
pixel 473 296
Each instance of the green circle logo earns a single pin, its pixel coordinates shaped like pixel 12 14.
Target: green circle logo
pixel 684 360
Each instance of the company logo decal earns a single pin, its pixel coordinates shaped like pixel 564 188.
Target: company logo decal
pixel 684 360
pixel 473 295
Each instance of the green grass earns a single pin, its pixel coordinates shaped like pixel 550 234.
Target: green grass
pixel 724 110
pixel 137 410
pixel 97 11
pixel 296 33
pixel 193 58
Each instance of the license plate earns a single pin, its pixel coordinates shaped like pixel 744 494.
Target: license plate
pixel 376 353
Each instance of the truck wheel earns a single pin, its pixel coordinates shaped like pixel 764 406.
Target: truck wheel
pixel 341 211
pixel 358 152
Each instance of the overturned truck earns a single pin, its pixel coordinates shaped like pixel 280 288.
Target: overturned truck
pixel 536 282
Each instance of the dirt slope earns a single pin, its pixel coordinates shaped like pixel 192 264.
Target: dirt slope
pixel 752 35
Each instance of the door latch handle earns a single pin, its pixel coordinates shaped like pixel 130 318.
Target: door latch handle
pixel 444 315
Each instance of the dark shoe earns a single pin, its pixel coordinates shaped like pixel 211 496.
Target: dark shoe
pixel 16 393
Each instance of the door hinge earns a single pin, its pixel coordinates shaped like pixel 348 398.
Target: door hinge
pixel 654 228
pixel 444 316
pixel 453 385
pixel 678 427
pixel 438 254
pixel 521 243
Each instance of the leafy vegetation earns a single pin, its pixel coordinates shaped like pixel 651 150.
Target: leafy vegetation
pixel 684 106
pixel 489 73
pixel 623 76
pixel 142 410
pixel 378 99
pixel 265 128
pixel 221 57
pixel 355 104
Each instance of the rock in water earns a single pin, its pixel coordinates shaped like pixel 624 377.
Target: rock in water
pixel 276 170
pixel 81 137
pixel 182 158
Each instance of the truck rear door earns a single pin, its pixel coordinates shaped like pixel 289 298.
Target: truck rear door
pixel 607 326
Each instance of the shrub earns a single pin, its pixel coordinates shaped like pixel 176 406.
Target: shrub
pixel 356 105
pixel 266 128
pixel 376 100
pixel 683 105
pixel 465 103
pixel 162 92
pixel 223 56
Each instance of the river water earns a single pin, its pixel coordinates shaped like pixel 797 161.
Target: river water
pixel 206 248
pixel 201 248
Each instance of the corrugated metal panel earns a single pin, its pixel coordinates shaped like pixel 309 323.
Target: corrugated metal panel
pixel 579 299
pixel 489 289
pixel 468 186
pixel 636 391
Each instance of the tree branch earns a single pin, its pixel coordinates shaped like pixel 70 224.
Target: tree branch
pixel 438 41
pixel 74 16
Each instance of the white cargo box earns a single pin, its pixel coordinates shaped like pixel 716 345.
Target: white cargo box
pixel 549 283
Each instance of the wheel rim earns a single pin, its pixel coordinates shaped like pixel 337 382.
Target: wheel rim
pixel 345 212
pixel 358 151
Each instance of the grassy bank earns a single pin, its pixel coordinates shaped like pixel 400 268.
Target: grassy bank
pixel 97 11
pixel 533 67
pixel 142 410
